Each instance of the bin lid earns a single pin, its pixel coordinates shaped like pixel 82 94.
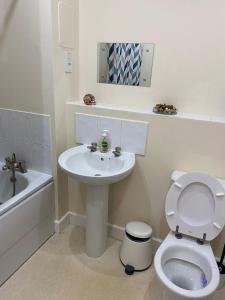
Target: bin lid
pixel 139 229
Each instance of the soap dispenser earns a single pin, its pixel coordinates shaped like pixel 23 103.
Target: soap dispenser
pixel 104 143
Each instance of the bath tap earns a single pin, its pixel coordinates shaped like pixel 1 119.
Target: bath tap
pixel 14 165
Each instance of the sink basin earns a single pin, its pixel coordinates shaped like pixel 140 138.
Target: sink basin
pixel 97 170
pixel 96 167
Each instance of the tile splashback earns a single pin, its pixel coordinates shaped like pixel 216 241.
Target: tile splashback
pixel 28 135
pixel 86 128
pixel 134 136
pixel 130 135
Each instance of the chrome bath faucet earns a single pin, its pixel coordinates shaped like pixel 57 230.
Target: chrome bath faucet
pixel 12 164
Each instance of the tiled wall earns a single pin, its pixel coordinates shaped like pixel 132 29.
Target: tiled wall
pixel 129 135
pixel 28 136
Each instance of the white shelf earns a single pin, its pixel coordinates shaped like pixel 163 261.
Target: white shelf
pixel 180 115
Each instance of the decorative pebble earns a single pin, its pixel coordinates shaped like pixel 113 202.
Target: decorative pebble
pixel 89 99
pixel 166 109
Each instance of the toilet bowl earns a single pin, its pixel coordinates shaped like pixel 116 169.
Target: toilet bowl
pixel 184 262
pixel 186 268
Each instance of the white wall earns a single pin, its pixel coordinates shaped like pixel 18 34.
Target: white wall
pixel 32 77
pixel 188 67
pixel 25 57
pixel 188 71
pixel 65 88
pixel 146 65
pixel 172 144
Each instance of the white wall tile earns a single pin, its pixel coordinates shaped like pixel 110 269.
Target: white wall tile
pixel 41 158
pixel 134 136
pixel 86 128
pixel 28 136
pixel 114 127
pixel 39 129
pixel 5 149
pixel 129 135
pixel 14 125
pixel 23 151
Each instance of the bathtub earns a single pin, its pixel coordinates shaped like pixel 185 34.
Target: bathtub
pixel 26 220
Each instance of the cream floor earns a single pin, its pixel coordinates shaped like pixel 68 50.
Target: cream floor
pixel 60 270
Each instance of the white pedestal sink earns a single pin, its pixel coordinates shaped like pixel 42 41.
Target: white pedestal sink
pixel 97 170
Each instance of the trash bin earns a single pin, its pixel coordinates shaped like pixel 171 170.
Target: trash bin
pixel 136 250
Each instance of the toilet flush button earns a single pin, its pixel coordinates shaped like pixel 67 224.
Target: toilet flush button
pixel 217 225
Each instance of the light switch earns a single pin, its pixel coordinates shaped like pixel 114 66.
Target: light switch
pixel 68 61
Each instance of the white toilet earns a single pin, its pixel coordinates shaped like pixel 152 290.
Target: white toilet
pixel 195 212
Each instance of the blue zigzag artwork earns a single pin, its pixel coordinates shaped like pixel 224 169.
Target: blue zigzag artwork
pixel 124 61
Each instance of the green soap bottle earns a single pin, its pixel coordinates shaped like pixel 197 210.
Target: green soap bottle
pixel 104 143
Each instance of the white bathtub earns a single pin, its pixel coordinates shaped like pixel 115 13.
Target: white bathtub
pixel 26 184
pixel 26 220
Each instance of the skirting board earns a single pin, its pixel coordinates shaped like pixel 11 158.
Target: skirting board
pixel 61 224
pixel 115 231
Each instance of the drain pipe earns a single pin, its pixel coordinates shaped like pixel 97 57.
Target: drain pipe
pixel 221 268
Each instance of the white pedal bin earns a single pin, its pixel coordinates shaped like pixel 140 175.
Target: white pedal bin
pixel 136 249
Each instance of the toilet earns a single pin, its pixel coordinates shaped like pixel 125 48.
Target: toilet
pixel 195 213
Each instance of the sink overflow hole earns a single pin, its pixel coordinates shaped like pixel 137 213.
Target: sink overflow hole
pixel 97 174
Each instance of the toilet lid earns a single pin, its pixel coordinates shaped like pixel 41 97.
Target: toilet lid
pixel 196 203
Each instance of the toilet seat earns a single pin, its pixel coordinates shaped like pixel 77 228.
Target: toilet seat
pixel 196 204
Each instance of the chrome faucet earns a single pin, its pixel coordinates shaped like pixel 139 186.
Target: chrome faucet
pixel 93 147
pixel 12 164
pixel 117 151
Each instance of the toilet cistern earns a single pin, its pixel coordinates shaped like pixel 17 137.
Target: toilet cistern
pixel 97 170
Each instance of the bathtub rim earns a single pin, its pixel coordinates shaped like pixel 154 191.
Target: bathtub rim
pixel 36 180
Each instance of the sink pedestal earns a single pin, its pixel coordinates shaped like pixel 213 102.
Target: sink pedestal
pixel 97 218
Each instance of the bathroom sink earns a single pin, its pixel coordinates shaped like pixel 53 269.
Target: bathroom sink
pixel 98 170
pixel 95 167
